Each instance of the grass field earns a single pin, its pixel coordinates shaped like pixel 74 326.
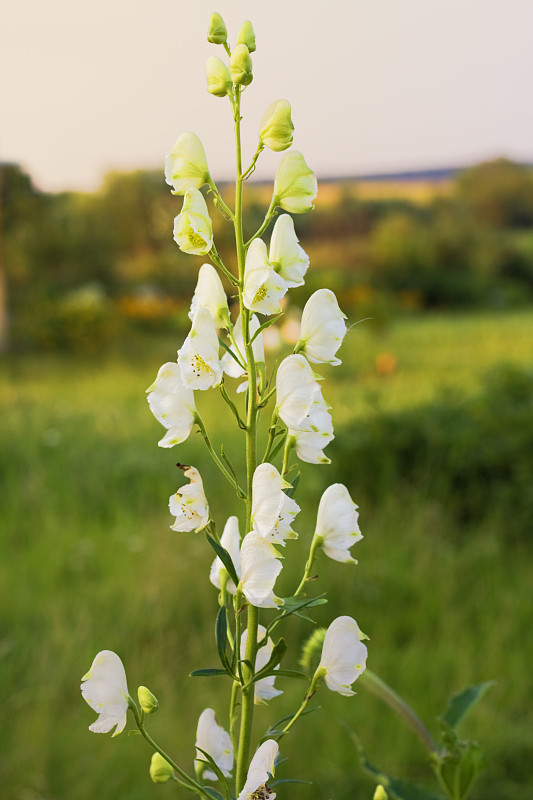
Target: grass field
pixel 89 563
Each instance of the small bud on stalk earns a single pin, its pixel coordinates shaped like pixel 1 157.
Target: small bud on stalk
pixel 246 35
pixel 240 66
pixel 218 77
pixel 217 33
pixel 147 701
pixel 276 126
pixel 160 769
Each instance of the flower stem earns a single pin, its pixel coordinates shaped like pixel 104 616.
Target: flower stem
pixel 315 544
pixel 398 704
pixel 308 696
pixel 216 459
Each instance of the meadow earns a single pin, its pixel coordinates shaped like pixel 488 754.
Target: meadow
pixel 89 563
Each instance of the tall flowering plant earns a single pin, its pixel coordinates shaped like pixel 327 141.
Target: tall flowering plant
pixel 238 759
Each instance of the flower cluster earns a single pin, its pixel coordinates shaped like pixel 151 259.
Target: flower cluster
pixel 222 346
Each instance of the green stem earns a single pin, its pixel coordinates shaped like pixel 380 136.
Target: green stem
pixel 308 696
pixel 216 459
pixel 260 148
pixel 398 704
pixel 225 210
pixel 188 780
pixel 217 261
pixel 271 213
pixel 315 544
pixel 289 444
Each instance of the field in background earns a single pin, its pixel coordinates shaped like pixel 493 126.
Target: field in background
pixel 89 563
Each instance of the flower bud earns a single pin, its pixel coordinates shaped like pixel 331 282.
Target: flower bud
pixel 276 126
pixel 240 65
pixel 295 185
pixel 217 33
pixel 218 77
pixel 380 793
pixel 246 36
pixel 147 701
pixel 193 231
pixel 186 164
pixel 160 769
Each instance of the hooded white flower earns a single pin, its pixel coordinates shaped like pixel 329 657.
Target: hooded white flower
pixel 337 524
pixel 229 365
pixel 343 655
pixel 261 767
pixel 276 127
pixel 309 445
pixel 198 358
pixel 263 288
pixel 189 504
pixel 105 689
pixel 260 566
pixel 230 541
pixel 295 185
pixel 172 404
pixel 285 254
pixel 322 329
pixel 212 738
pixel 193 230
pixel 186 164
pixel 264 688
pixel 272 510
pixel 298 393
pixel 210 294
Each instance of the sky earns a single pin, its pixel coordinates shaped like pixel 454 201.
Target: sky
pixel 374 85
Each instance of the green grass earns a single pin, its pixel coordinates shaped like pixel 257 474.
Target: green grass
pixel 89 563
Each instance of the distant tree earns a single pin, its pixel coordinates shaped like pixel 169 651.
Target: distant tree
pixel 498 193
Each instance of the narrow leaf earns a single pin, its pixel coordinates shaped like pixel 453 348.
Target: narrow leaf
pixel 221 636
pixel 224 557
pixel 265 325
pixel 209 673
pixel 461 703
pixel 291 490
pixel 277 654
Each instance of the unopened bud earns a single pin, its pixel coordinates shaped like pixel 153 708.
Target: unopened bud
pixel 147 701
pixel 380 793
pixel 240 65
pixel 276 126
pixel 218 77
pixel 295 184
pixel 246 35
pixel 217 33
pixel 160 769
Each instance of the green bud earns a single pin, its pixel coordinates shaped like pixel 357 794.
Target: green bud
pixel 160 769
pixel 217 33
pixel 147 701
pixel 295 184
pixel 276 126
pixel 380 793
pixel 312 650
pixel 218 77
pixel 246 35
pixel 240 65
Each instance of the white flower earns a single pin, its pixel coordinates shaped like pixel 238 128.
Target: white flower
pixel 261 767
pixel 295 185
pixel 198 358
pixel 309 445
pixel 276 127
pixel 105 689
pixel 189 504
pixel 322 329
pixel 343 655
pixel 186 164
pixel 264 688
pixel 263 288
pixel 298 393
pixel 193 230
pixel 210 294
pixel 260 566
pixel 337 524
pixel 212 738
pixel 230 541
pixel 229 365
pixel 285 254
pixel 172 404
pixel 272 510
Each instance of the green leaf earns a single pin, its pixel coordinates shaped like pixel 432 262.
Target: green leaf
pixel 289 780
pixel 213 793
pixel 291 490
pixel 218 772
pixel 278 651
pixel 221 636
pixel 294 605
pixel 291 673
pixel 224 557
pixel 209 673
pixel 275 729
pixel 266 325
pixel 461 704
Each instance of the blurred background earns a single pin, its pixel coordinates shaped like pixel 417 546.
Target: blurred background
pixel 418 120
